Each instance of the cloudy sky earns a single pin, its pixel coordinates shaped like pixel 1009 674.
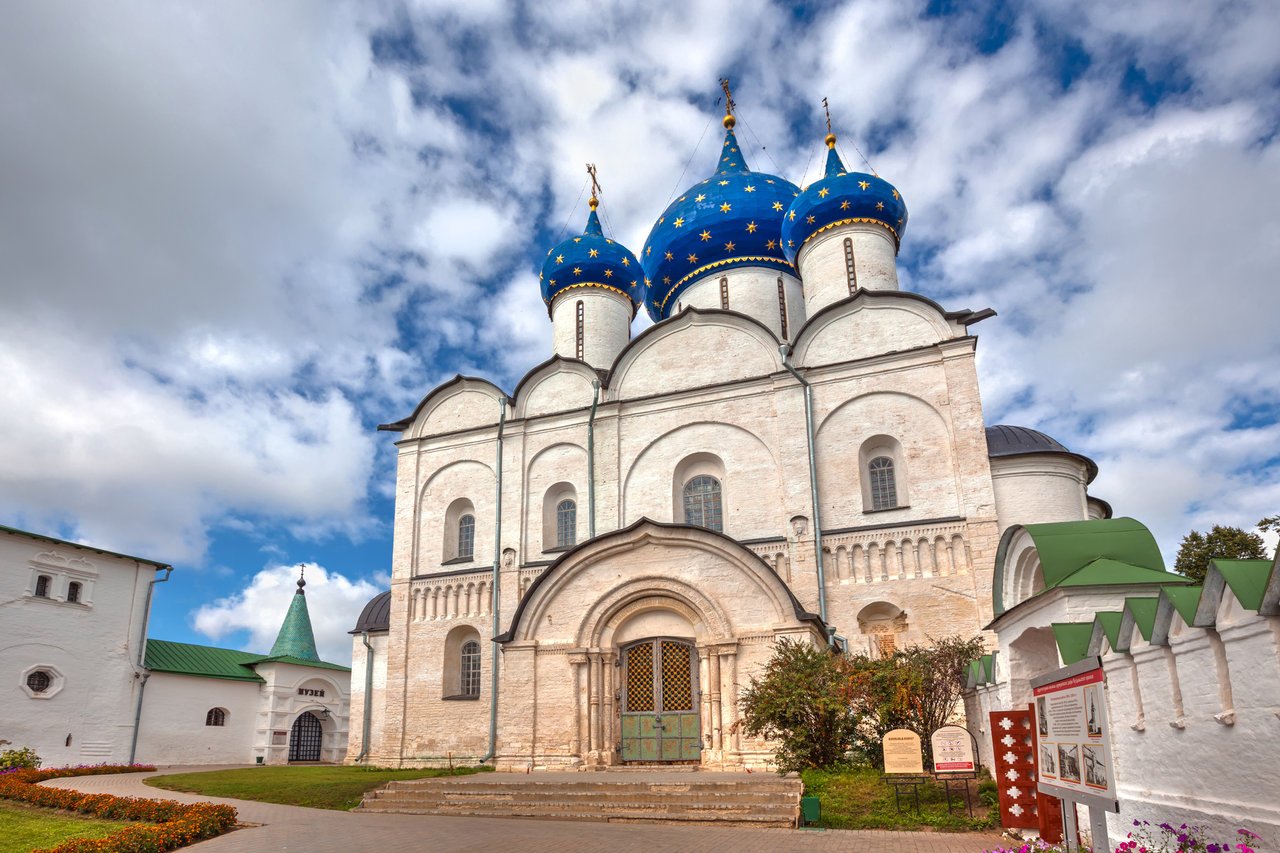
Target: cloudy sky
pixel 234 237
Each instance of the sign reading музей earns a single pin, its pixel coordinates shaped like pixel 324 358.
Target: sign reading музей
pixel 1075 738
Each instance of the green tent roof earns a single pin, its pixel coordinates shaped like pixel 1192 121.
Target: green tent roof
pixel 1185 599
pixel 1066 547
pixel 1110 622
pixel 1073 640
pixel 1105 571
pixel 296 639
pixel 1143 611
pixel 205 661
pixel 1247 579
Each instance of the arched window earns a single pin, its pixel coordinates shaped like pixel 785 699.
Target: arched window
pixel 702 502
pixel 470 669
pixel 39 681
pixel 566 523
pixel 42 586
pixel 216 717
pixel 884 490
pixel 467 536
pixel 73 592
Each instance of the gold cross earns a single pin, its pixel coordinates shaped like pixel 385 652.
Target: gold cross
pixel 595 185
pixel 728 96
pixel 827 110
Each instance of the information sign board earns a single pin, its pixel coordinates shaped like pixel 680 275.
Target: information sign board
pixel 902 753
pixel 1075 737
pixel 953 750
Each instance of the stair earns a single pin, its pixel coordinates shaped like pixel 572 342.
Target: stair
pixel 715 799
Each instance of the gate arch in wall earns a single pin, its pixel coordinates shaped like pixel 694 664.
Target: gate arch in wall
pixel 306 737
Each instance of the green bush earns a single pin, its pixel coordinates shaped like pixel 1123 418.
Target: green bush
pixel 14 758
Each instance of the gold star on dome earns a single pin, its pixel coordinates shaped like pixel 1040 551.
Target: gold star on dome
pixel 549 251
pixel 559 259
pixel 661 219
pixel 607 240
pixel 899 220
pixel 577 239
pixel 724 183
pixel 539 276
pixel 626 262
pixel 705 235
pixel 553 282
pixel 646 282
pixel 751 227
pixel 748 189
pixel 777 205
pixel 699 197
pixel 693 259
pixel 790 243
pixel 679 221
pixel 666 279
pixel 682 198
pixel 772 244
pixel 734 150
pixel 670 257
pixel 768 181
pixel 792 216
pixel 844 205
pixel 577 270
pixel 728 247
pixel 726 207
pixel 727 143
pixel 633 284
pixel 595 253
pixel 863 184
pixel 809 219
pixel 608 273
pixel 895 195
pixel 822 193
pixel 648 250
pixel 879 205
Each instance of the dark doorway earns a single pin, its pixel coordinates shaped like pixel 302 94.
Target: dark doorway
pixel 304 740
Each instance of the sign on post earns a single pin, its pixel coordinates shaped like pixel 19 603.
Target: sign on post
pixel 953 750
pixel 902 753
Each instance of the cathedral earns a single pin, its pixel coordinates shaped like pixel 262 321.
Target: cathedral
pixel 589 569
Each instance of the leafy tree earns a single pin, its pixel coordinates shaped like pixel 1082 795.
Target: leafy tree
pixel 1270 524
pixel 802 702
pixel 1231 543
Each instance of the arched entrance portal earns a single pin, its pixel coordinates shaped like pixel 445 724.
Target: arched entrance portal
pixel 659 710
pixel 305 738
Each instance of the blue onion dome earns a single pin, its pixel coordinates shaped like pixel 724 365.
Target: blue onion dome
pixel 840 198
pixel 732 219
pixel 592 260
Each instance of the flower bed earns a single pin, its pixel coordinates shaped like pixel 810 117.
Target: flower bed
pixel 164 824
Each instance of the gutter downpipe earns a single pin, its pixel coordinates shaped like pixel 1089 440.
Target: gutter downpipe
pixel 591 460
pixel 142 656
pixel 496 584
pixel 368 691
pixel 785 351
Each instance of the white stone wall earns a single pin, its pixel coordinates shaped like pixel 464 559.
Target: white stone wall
pixel 823 264
pixel 606 325
pixel 752 291
pixel 1038 489
pixel 174 710
pixel 91 647
pixel 280 705
pixel 377 700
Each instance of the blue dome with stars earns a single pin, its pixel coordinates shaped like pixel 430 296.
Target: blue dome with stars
pixel 840 198
pixel 592 260
pixel 732 219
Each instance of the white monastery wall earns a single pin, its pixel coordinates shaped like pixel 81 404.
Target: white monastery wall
pixel 824 268
pixel 1039 489
pixel 724 348
pixel 468 404
pixel 90 648
pixel 282 702
pixel 377 699
pixel 558 390
pixel 174 711
pixel 752 291
pixel 606 325
pixel 868 328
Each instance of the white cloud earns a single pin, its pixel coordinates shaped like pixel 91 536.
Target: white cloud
pixel 334 603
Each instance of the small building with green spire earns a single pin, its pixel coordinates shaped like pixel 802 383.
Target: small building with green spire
pixel 207 705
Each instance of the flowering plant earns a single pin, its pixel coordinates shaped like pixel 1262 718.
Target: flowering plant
pixel 1146 837
pixel 163 824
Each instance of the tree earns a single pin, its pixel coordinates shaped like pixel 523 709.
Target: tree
pixel 1228 543
pixel 802 702
pixel 1270 524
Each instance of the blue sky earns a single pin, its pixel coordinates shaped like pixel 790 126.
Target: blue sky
pixel 236 237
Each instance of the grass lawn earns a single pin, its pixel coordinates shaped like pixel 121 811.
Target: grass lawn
pixel 339 787
pixel 858 799
pixel 24 828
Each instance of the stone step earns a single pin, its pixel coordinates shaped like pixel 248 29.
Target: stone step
pixel 622 787
pixel 703 819
pixel 540 796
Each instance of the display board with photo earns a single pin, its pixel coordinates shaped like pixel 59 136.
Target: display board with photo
pixel 1075 741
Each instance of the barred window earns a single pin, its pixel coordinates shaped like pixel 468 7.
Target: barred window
pixel 850 272
pixel 702 505
pixel 467 536
pixel 470 670
pixel 580 331
pixel 39 681
pixel 782 306
pixel 73 592
pixel 42 586
pixel 884 491
pixel 566 524
pixel 216 717
pixel 724 292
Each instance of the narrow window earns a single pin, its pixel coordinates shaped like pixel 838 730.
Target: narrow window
pixel 42 586
pixel 702 503
pixel 884 491
pixel 467 536
pixel 850 272
pixel 566 524
pixel 470 670
pixel 724 292
pixel 782 307
pixel 581 328
pixel 39 681
pixel 216 717
pixel 73 592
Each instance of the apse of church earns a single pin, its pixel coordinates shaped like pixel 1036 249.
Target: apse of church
pixel 796 448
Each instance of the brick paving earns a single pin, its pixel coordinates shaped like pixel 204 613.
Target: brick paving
pixel 276 828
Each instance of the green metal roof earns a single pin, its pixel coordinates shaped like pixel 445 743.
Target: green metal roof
pixel 1073 640
pixel 1247 579
pixel 1143 611
pixel 296 639
pixel 1110 622
pixel 318 664
pixel 1105 571
pixel 1185 599
pixel 1066 547
pixel 204 661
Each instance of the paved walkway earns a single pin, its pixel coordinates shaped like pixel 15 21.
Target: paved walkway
pixel 324 831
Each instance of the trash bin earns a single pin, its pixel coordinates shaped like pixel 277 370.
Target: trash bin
pixel 810 810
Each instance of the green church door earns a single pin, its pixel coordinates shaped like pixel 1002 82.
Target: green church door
pixel 659 714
